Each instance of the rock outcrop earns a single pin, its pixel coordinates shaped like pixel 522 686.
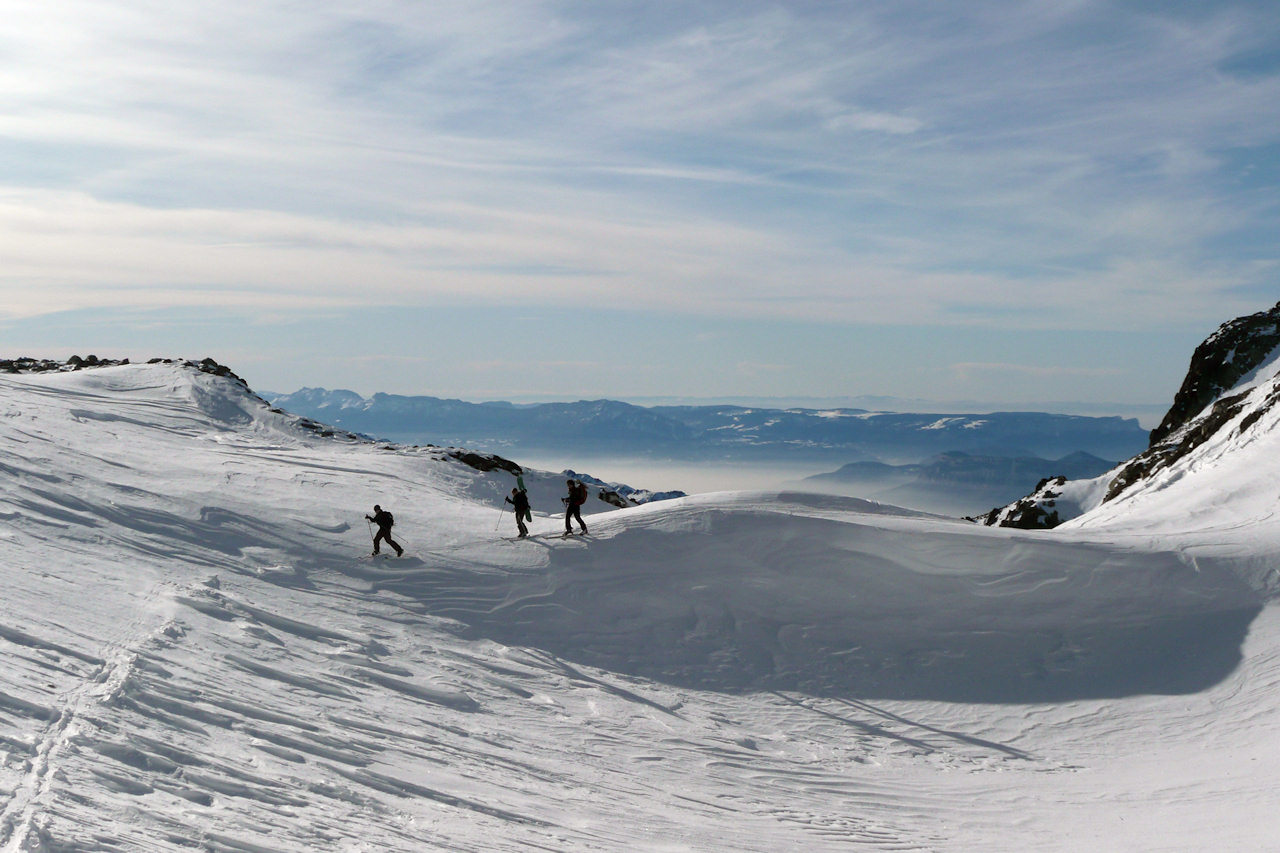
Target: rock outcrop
pixel 1213 396
pixel 1203 405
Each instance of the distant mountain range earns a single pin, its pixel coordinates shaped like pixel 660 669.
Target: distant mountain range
pixel 955 483
pixel 714 432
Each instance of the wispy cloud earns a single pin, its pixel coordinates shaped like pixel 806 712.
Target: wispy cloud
pixel 753 369
pixel 1044 371
pixel 1071 164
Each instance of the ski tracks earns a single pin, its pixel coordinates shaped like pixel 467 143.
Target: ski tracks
pixel 102 678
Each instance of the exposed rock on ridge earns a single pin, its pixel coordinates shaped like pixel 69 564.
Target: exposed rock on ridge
pixel 1199 412
pixel 1037 511
pixel 27 364
pixel 1225 357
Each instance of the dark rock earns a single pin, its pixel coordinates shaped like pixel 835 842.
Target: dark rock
pixel 26 364
pixel 610 496
pixel 208 365
pixel 486 462
pixel 1034 512
pixel 1199 412
pixel 1167 452
pixel 1225 357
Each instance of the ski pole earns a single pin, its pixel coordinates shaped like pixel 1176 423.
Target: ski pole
pixel 502 510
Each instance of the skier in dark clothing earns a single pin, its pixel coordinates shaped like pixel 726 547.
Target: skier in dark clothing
pixel 573 505
pixel 520 500
pixel 384 520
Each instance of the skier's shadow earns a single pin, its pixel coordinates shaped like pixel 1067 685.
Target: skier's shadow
pixel 931 740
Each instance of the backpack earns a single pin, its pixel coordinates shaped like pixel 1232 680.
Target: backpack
pixel 580 494
pixel 390 519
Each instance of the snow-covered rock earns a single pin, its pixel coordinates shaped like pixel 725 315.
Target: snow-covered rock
pixel 1224 414
pixel 620 494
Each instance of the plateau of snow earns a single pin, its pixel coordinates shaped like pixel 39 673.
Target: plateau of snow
pixel 196 652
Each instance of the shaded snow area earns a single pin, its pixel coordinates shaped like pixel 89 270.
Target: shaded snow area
pixel 197 653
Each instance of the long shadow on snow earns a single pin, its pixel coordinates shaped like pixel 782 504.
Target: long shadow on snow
pixel 837 609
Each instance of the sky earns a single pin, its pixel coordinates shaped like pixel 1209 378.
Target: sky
pixel 1011 202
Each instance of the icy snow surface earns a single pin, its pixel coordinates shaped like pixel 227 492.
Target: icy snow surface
pixel 198 654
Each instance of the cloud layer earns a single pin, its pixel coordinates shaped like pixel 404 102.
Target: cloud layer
pixel 1057 164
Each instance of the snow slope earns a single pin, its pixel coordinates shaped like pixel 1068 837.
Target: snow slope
pixel 197 654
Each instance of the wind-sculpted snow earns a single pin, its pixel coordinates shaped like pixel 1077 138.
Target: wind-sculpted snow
pixel 773 594
pixel 198 654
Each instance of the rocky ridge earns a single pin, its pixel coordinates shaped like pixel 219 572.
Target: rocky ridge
pixel 1214 395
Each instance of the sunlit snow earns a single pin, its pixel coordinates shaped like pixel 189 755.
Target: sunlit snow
pixel 198 652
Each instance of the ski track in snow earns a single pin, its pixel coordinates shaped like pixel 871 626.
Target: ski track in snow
pixel 197 657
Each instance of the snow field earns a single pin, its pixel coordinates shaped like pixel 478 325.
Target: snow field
pixel 199 655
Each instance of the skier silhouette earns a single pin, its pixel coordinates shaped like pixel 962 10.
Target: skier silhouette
pixel 520 500
pixel 573 505
pixel 384 520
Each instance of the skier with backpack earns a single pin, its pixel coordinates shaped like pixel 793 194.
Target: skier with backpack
pixel 385 521
pixel 520 500
pixel 573 505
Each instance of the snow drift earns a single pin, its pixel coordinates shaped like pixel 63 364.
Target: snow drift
pixel 837 597
pixel 199 654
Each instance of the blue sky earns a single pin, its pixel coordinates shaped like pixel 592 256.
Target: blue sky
pixel 1016 202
